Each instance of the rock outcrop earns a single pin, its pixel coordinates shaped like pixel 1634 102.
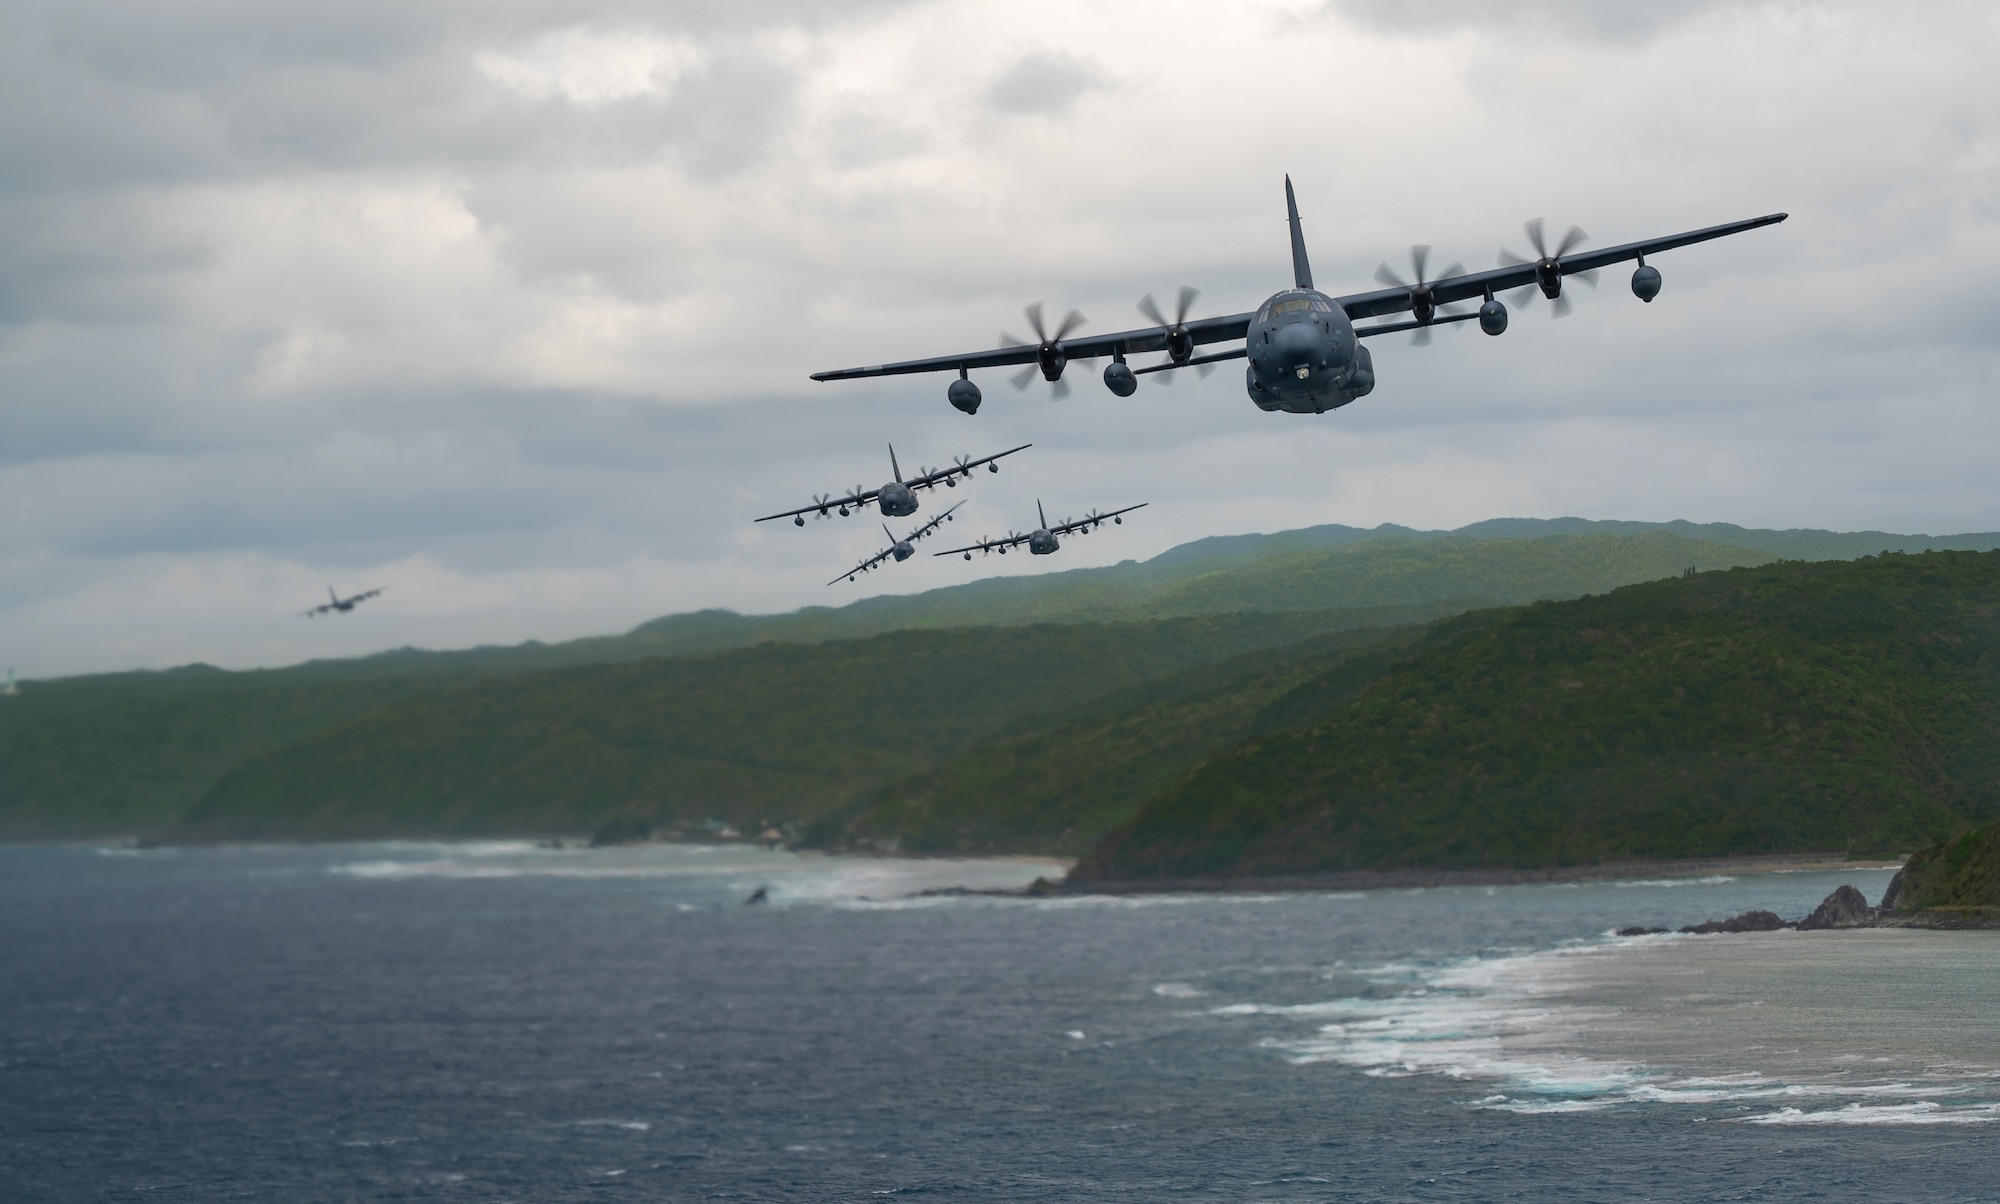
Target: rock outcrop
pixel 1749 921
pixel 1846 907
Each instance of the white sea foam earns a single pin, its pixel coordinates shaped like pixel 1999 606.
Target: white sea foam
pixel 1923 1112
pixel 630 1126
pixel 732 872
pixel 1178 990
pixel 1557 1030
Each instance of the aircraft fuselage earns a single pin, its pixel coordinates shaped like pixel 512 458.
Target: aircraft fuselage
pixel 1041 543
pixel 897 500
pixel 902 551
pixel 1304 356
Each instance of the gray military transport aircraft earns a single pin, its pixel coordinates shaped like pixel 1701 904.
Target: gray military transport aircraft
pixel 338 604
pixel 897 498
pixel 1042 540
pixel 901 549
pixel 1304 348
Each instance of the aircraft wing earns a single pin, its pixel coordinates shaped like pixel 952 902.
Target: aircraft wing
pixel 364 597
pixel 864 566
pixel 851 500
pixel 932 525
pixel 1089 521
pixel 1500 280
pixel 1080 347
pixel 316 611
pixel 985 545
pixel 935 477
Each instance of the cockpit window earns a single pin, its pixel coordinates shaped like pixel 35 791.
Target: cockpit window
pixel 1292 305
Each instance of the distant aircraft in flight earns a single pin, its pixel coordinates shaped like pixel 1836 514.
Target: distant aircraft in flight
pixel 338 603
pixel 898 498
pixel 1304 348
pixel 1042 540
pixel 898 548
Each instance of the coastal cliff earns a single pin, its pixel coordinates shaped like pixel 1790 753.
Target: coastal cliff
pixel 1952 884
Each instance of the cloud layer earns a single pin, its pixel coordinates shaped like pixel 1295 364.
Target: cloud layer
pixel 511 305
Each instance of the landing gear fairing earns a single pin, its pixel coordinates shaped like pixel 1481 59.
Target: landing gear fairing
pixel 1042 540
pixel 898 497
pixel 1304 349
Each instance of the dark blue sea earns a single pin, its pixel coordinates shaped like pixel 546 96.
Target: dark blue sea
pixel 500 1022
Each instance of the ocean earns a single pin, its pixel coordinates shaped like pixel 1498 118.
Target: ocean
pixel 496 1021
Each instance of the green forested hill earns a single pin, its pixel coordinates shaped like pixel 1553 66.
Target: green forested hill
pixel 1840 706
pixel 775 733
pixel 134 751
pixel 1060 788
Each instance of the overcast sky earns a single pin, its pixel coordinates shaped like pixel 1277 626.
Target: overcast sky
pixel 510 305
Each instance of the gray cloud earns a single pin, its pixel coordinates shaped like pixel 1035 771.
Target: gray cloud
pixel 1046 82
pixel 512 305
pixel 1621 21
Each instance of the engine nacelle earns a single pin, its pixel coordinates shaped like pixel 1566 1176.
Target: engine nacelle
pixel 1493 317
pixel 964 396
pixel 1646 282
pixel 1119 379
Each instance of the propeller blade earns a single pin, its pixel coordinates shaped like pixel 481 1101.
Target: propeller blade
pixel 1571 241
pixel 1008 342
pixel 1188 294
pixel 1387 275
pixel 1422 338
pixel 1589 277
pixel 1034 313
pixel 1020 379
pixel 1059 389
pixel 1420 255
pixel 1561 306
pixel 1151 310
pixel 1204 371
pixel 1166 378
pixel 1070 322
pixel 1510 260
pixel 1534 232
pixel 1455 269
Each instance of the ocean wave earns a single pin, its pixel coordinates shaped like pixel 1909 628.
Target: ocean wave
pixel 1923 1112
pixel 1518 1022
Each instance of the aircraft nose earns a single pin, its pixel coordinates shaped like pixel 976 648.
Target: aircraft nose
pixel 1298 344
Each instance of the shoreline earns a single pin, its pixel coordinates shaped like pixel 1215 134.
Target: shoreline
pixel 1406 879
pixel 1061 885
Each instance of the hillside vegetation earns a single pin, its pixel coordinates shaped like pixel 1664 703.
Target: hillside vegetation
pixel 1838 706
pixel 287 751
pixel 771 734
pixel 1059 789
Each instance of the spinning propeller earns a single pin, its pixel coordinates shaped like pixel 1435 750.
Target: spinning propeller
pixel 1548 267
pixel 1422 306
pixel 1050 359
pixel 1180 343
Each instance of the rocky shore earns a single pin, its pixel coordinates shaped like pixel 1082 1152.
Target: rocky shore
pixel 1902 906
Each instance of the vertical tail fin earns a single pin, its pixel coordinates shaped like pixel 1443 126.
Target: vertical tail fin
pixel 1039 514
pixel 330 594
pixel 1302 273
pixel 893 470
pixel 890 534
